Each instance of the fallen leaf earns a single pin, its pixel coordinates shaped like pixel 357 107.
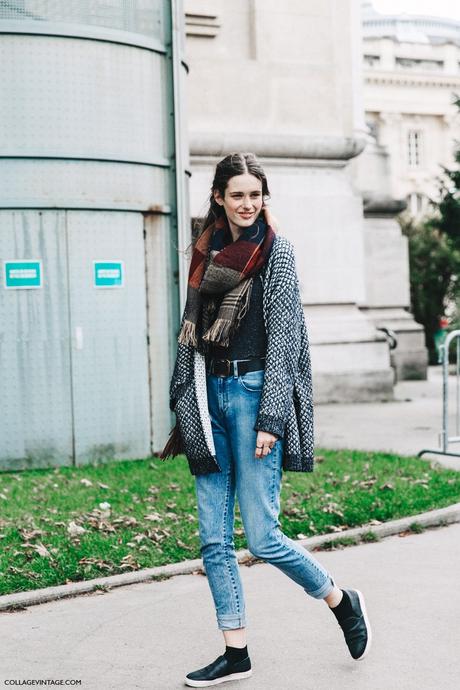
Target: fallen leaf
pixel 139 537
pixel 129 561
pixel 39 548
pixel 30 534
pixel 88 562
pixel 182 545
pixel 126 521
pixel 73 529
pixel 153 517
pixel 332 509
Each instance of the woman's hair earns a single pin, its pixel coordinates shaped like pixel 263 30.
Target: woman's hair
pixel 228 167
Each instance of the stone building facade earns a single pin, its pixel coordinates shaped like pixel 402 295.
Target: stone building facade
pixel 411 76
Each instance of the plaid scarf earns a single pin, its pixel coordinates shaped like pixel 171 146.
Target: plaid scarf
pixel 221 266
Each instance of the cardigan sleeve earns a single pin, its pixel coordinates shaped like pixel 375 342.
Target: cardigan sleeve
pixel 284 320
pixel 182 374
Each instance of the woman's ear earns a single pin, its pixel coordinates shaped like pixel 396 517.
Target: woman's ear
pixel 217 197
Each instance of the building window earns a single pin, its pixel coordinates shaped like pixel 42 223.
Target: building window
pixel 414 63
pixel 414 148
pixel 371 60
pixel 416 204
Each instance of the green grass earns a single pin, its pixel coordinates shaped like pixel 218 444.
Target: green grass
pixel 152 518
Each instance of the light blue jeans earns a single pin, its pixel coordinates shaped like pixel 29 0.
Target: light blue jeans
pixel 233 405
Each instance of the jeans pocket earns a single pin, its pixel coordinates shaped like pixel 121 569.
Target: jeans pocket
pixel 252 381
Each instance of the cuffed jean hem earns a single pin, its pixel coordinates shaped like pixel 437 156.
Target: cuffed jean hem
pixel 324 590
pixel 231 622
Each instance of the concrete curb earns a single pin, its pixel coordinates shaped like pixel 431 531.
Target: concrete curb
pixel 432 518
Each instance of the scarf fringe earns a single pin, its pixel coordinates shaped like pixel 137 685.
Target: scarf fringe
pixel 219 332
pixel 222 330
pixel 174 445
pixel 187 336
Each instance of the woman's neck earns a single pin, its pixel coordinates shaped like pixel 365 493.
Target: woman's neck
pixel 235 230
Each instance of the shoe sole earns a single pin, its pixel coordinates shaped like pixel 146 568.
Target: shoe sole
pixel 368 626
pixel 224 679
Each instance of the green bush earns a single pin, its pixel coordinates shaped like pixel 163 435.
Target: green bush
pixel 434 255
pixel 434 266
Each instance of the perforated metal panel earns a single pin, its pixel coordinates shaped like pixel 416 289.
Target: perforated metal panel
pixel 36 183
pixel 109 338
pixel 137 16
pixel 80 99
pixel 73 358
pixel 35 418
pixel 85 99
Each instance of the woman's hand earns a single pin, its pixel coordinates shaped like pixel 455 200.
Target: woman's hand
pixel 270 218
pixel 264 443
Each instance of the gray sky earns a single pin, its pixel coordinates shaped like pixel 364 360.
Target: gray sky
pixel 437 8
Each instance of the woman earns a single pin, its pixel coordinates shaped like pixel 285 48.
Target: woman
pixel 242 394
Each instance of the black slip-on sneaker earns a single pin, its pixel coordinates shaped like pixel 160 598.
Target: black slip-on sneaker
pixel 220 671
pixel 356 628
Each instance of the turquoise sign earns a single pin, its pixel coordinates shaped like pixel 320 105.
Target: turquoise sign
pixel 108 274
pixel 23 274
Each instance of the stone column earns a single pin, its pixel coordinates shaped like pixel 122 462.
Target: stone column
pixel 387 284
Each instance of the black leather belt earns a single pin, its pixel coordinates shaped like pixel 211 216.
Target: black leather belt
pixel 226 367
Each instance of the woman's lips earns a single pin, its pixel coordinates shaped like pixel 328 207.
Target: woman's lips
pixel 246 215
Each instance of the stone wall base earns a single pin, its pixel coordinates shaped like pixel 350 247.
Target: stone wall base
pixel 410 358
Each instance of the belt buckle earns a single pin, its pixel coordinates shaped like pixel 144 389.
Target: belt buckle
pixel 221 363
pixel 228 363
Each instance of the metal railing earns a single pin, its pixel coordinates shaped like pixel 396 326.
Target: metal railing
pixel 391 337
pixel 444 436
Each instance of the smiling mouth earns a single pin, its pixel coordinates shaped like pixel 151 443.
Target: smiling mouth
pixel 246 215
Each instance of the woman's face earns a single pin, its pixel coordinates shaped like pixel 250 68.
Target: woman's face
pixel 242 200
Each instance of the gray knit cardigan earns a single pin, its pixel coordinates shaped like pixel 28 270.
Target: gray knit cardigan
pixel 286 405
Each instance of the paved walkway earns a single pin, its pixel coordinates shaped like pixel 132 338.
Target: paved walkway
pixel 406 425
pixel 149 635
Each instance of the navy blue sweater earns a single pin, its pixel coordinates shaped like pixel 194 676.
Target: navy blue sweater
pixel 250 339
